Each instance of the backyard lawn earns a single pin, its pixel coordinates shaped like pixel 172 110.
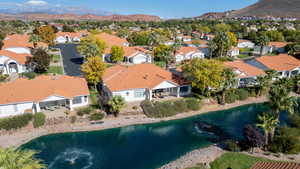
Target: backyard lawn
pixel 234 161
pixel 56 70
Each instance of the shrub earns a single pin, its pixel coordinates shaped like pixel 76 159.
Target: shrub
pixel 193 104
pixel 3 77
pixel 15 122
pixel 169 108
pixel 230 96
pixel 73 119
pixel 286 142
pixel 30 75
pixel 84 111
pixel 294 120
pixel 180 106
pixel 96 116
pixel 231 145
pixel 242 94
pixel 39 120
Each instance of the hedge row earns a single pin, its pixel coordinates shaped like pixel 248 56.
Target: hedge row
pixel 169 108
pixel 15 122
pixel 237 94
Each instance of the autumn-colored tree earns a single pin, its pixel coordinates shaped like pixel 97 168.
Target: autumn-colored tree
pixel 163 53
pixel 47 34
pixel 93 70
pixel 117 53
pixel 91 47
pixel 204 74
pixel 232 38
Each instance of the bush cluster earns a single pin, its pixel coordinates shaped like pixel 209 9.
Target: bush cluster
pixel 231 145
pixel 238 94
pixel 15 122
pixel 85 111
pixel 169 108
pixel 29 75
pixel 39 120
pixel 96 116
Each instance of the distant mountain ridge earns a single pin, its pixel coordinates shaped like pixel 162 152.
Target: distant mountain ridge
pixel 49 17
pixel 275 8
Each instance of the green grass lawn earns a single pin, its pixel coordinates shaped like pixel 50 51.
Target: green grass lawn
pixel 234 161
pixel 56 70
pixel 241 56
pixel 55 58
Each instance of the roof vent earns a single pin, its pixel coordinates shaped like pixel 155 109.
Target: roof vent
pixel 146 77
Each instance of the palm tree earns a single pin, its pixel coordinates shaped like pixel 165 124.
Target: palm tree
pixel 19 159
pixel 223 43
pixel 229 82
pixel 280 99
pixel 264 82
pixel 268 123
pixel 212 46
pixel 262 41
pixel 116 103
pixel 34 38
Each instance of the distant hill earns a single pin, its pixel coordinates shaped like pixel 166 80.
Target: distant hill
pixel 49 17
pixel 276 8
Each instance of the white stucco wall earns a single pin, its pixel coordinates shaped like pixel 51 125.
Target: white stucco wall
pixel 245 45
pixel 19 50
pixel 128 95
pixel 14 109
pixel 84 102
pixel 60 39
pixel 140 58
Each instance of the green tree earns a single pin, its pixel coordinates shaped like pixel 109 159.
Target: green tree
pixel 262 41
pixel 116 103
pixel 204 74
pixel 93 70
pixel 268 123
pixel 39 62
pixel 19 159
pixel 163 53
pixel 221 44
pixel 91 47
pixel 229 82
pixel 264 82
pixel 117 53
pixel 222 27
pixel 34 38
pixel 275 35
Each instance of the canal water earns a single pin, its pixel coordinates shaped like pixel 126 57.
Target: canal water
pixel 139 146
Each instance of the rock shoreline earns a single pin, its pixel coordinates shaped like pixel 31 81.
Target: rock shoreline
pixel 202 155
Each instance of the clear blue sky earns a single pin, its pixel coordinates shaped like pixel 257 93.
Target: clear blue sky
pixel 163 8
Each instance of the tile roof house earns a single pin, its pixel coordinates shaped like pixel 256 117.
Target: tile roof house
pixel 246 73
pixel 271 47
pixel 16 48
pixel 23 95
pixel 242 43
pixel 65 37
pixel 285 64
pixel 11 62
pixel 137 55
pixel 275 165
pixel 188 53
pixel 142 81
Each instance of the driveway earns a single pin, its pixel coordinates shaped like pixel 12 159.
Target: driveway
pixel 72 60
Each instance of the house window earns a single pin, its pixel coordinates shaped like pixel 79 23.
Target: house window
pixel 77 100
pixel 16 108
pixel 85 98
pixel 139 93
pixel 184 89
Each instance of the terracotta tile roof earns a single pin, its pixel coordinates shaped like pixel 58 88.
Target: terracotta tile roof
pixel 24 90
pixel 243 40
pixel 18 40
pixel 20 58
pixel 246 69
pixel 78 34
pixel 118 78
pixel 111 40
pixel 278 44
pixel 275 165
pixel 132 50
pixel 186 49
pixel 280 62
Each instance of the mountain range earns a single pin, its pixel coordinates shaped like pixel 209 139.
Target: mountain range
pixel 275 8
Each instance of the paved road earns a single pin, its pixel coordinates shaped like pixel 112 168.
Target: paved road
pixel 72 60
